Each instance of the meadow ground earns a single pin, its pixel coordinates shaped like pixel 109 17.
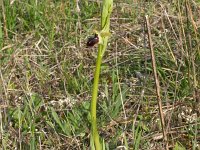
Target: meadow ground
pixel 46 74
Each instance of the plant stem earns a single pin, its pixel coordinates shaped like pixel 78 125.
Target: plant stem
pixel 95 134
pixel 105 26
pixel 159 101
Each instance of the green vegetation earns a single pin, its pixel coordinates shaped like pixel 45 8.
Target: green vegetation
pixel 47 74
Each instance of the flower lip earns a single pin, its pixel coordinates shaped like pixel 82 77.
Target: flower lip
pixel 92 40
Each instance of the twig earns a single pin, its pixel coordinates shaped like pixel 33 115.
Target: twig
pixel 4 20
pixel 157 83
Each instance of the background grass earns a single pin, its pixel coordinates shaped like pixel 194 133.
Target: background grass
pixel 46 75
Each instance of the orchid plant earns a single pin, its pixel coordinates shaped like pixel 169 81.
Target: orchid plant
pixel 103 36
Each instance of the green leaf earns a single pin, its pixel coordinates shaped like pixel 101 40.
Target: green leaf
pixel 58 121
pixel 178 146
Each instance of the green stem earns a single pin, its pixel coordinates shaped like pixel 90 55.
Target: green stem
pixel 95 134
pixel 103 40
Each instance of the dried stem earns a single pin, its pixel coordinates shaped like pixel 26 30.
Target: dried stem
pixel 4 20
pixel 157 83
